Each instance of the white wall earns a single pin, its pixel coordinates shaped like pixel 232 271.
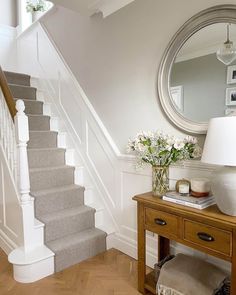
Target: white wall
pixel 116 59
pixel 8 54
pixel 8 13
pixel 11 228
pixel 8 22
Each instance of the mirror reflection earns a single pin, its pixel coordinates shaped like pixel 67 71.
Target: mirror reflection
pixel 203 76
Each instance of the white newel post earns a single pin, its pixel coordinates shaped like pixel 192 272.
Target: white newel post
pixel 27 202
pixel 22 137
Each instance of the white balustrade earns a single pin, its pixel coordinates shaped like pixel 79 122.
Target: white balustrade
pixel 7 136
pixel 14 138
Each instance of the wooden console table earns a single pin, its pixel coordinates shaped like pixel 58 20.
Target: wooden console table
pixel 206 230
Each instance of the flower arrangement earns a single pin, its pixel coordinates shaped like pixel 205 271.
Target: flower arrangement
pixel 159 149
pixel 37 5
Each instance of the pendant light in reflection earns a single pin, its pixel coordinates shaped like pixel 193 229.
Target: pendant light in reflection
pixel 227 52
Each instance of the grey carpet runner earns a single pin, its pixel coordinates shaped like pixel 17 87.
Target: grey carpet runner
pixel 69 224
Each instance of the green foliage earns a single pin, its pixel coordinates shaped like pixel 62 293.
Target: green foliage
pixel 33 6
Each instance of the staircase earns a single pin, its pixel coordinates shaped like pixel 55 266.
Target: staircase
pixel 59 203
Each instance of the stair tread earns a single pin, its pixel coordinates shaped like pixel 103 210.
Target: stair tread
pixel 21 86
pixel 28 100
pixel 22 91
pixel 75 239
pixel 40 169
pixel 38 115
pixel 56 189
pixel 69 212
pixel 42 131
pixel 16 74
pixel 50 149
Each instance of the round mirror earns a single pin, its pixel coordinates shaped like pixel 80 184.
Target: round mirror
pixel 197 77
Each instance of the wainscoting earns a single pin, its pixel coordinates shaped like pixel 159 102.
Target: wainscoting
pixel 11 235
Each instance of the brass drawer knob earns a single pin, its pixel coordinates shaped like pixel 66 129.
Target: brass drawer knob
pixel 205 237
pixel 160 221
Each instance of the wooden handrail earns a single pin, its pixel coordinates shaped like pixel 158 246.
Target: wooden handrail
pixel 7 94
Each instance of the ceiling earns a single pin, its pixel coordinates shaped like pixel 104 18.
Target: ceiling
pixel 206 41
pixel 89 7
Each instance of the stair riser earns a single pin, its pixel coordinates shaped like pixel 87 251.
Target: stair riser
pixel 39 123
pixel 40 180
pixel 69 225
pixel 18 79
pixel 43 140
pixel 83 251
pixel 23 92
pixel 58 201
pixel 33 107
pixel 44 158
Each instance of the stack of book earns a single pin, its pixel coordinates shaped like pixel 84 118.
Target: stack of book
pixel 198 203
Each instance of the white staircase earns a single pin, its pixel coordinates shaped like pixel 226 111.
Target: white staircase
pixel 21 234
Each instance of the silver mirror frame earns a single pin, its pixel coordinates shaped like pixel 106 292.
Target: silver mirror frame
pixel 216 14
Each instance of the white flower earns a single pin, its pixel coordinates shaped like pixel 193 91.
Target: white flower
pixel 171 141
pixel 130 146
pixel 169 147
pixel 179 145
pixel 140 147
pixel 197 152
pixel 190 139
pixel 156 148
pixel 150 134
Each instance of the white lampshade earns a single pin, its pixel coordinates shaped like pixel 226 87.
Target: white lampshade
pixel 220 144
pixel 220 149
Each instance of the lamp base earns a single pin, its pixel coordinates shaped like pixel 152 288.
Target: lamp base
pixel 224 190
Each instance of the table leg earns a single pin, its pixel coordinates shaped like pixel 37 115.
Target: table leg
pixel 141 249
pixel 163 247
pixel 233 269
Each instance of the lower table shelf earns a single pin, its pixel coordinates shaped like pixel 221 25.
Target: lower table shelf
pixel 185 223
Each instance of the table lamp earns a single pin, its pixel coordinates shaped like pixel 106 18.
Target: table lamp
pixel 220 149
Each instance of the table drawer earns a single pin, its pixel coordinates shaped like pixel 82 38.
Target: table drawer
pixel 161 222
pixel 208 237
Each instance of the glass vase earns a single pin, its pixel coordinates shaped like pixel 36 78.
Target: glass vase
pixel 160 180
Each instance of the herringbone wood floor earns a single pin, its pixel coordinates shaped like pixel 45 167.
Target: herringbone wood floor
pixel 110 273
